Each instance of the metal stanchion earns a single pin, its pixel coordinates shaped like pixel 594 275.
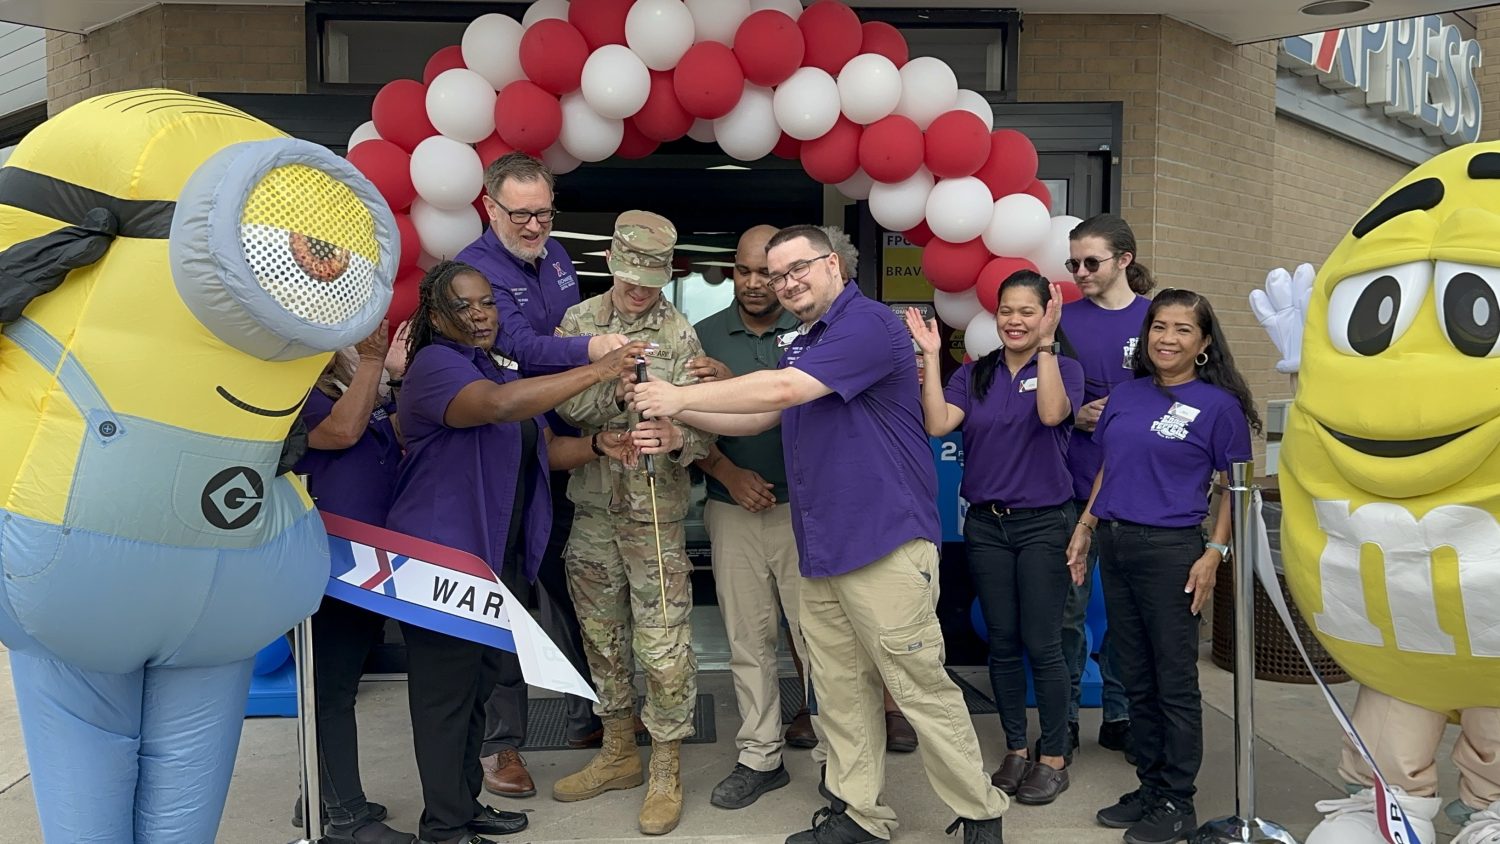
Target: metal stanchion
pixel 1244 825
pixel 307 731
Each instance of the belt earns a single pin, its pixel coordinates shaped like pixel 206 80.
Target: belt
pixel 1002 510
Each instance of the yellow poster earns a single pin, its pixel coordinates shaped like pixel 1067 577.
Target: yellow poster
pixel 901 270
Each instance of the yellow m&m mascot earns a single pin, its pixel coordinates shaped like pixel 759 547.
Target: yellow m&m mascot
pixel 174 275
pixel 1390 481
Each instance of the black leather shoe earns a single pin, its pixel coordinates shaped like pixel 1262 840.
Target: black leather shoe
pixel 1012 770
pixel 1116 735
pixel 368 832
pixel 745 785
pixel 492 821
pixel 1042 785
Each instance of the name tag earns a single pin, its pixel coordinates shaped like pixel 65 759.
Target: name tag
pixel 504 362
pixel 1186 413
pixel 658 352
pixel 1028 386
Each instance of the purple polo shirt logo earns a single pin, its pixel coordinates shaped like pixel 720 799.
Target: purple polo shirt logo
pixel 1128 363
pixel 563 281
pixel 784 340
pixel 1173 425
pixel 520 294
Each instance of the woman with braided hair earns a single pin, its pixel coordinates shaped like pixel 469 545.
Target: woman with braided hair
pixel 475 478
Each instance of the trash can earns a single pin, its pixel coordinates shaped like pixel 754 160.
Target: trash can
pixel 1276 656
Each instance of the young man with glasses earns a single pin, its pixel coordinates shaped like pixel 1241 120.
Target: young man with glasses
pixel 864 514
pixel 1102 329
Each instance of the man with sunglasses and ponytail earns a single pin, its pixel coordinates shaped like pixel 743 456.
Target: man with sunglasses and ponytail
pixel 1102 329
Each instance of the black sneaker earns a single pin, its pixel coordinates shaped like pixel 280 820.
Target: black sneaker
pixel 1127 811
pixel 832 827
pixel 745 785
pixel 377 813
pixel 979 832
pixel 1163 823
pixel 1116 735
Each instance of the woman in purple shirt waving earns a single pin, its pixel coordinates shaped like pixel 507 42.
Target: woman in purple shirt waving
pixel 1165 434
pixel 1014 405
pixel 475 478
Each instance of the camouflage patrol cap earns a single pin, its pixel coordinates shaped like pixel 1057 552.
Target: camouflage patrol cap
pixel 641 250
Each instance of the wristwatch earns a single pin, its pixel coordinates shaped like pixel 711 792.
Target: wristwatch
pixel 1220 547
pixel 1054 348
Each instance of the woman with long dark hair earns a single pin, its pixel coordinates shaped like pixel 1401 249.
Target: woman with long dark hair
pixel 475 478
pixel 1165 434
pixel 1014 405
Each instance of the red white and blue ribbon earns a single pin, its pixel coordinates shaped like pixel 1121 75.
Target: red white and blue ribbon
pixel 445 590
pixel 1392 821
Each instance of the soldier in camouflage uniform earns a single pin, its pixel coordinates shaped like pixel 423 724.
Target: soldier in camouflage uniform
pixel 611 558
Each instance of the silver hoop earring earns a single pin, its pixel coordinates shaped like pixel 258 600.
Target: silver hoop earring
pixel 1201 359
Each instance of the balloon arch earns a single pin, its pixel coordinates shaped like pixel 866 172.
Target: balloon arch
pixel 582 81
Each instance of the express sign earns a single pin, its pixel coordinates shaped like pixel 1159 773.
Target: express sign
pixel 1419 71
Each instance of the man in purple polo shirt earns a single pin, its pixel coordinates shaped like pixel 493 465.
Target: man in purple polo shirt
pixel 1101 328
pixel 864 513
pixel 534 284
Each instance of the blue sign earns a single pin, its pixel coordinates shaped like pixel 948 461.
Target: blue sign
pixel 948 455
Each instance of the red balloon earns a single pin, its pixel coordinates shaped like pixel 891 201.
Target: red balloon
pixel 411 245
pixel 388 167
pixel 1071 292
pixel 527 117
pixel 662 118
pixel 891 149
pixel 958 143
pixel 832 33
pixel 492 148
pixel 1011 165
pixel 448 58
pixel 600 21
pixel 708 80
pixel 552 54
pixel 788 147
pixel 953 267
pixel 407 291
pixel 400 114
pixel 1039 190
pixel 993 274
pixel 880 37
pixel 769 46
pixel 835 156
pixel 921 235
pixel 636 144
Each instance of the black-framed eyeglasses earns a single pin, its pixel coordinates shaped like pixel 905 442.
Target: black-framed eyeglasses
pixel 1090 263
pixel 521 218
pixel 796 272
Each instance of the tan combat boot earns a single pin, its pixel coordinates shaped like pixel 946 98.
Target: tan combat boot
pixel 616 765
pixel 663 807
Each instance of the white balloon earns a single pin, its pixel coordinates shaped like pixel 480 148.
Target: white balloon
pixel 959 210
pixel 807 104
pixel 446 173
pixel 702 131
pixel 445 233
pixel 982 336
pixel 659 31
pixel 586 135
pixel 749 131
pixel 899 206
pixel 717 20
pixel 542 10
pixel 857 186
pixel 558 160
pixel 975 103
pixel 869 88
pixel 492 48
pixel 957 309
pixel 790 8
pixel 615 82
pixel 364 132
pixel 928 88
pixel 461 105
pixel 1050 254
pixel 1019 224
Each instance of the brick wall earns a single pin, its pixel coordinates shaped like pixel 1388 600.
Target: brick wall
pixel 193 48
pixel 1487 33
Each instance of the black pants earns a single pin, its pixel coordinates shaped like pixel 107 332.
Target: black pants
pixel 1154 635
pixel 447 682
pixel 1019 565
pixel 507 710
pixel 343 635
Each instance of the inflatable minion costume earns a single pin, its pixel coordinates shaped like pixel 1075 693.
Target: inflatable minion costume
pixel 1390 483
pixel 174 275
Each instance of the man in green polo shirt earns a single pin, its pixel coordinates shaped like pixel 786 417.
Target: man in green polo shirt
pixel 750 524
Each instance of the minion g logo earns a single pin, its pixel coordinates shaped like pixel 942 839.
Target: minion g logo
pixel 232 498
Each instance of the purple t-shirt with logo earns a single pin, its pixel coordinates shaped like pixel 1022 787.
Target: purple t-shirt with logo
pixel 858 462
pixel 531 300
pixel 458 485
pixel 357 482
pixel 1010 457
pixel 1160 452
pixel 1103 341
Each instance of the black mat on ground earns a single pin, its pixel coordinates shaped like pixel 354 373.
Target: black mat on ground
pixel 978 702
pixel 547 726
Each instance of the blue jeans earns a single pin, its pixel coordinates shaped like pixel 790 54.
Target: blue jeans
pixel 1075 647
